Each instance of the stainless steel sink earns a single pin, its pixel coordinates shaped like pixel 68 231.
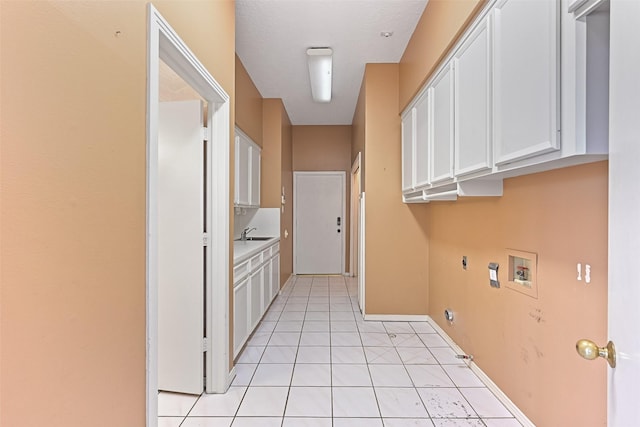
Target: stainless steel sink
pixel 256 239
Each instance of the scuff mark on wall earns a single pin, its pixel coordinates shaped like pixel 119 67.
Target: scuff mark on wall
pixel 537 315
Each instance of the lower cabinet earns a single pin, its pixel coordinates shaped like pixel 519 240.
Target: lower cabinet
pixel 256 284
pixel 266 286
pixel 275 275
pixel 255 296
pixel 240 314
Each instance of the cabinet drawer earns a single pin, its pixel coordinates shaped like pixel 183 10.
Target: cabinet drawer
pixel 275 249
pixel 256 260
pixel 240 271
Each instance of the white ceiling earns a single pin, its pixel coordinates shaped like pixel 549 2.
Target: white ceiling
pixel 272 37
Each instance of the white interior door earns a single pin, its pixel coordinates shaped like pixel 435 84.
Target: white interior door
pixel 319 222
pixel 624 211
pixel 180 247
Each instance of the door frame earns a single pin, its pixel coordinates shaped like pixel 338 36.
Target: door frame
pixel 624 230
pixel 354 235
pixel 362 288
pixel 163 43
pixel 342 175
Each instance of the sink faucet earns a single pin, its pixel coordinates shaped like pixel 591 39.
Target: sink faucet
pixel 243 235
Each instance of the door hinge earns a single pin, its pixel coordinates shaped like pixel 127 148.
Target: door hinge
pixel 205 239
pixel 205 344
pixel 205 133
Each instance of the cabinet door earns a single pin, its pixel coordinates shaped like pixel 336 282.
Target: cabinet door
pixel 243 152
pixel 254 176
pixel 472 148
pixel 266 287
pixel 275 276
pixel 441 142
pixel 421 151
pixel 525 79
pixel 240 315
pixel 255 297
pixel 407 150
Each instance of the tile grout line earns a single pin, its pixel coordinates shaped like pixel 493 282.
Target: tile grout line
pixel 331 362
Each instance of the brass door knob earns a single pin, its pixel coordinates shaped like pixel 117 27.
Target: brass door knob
pixel 590 350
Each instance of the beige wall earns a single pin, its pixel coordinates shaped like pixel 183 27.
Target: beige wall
pixel 286 219
pixel 73 161
pixel 325 148
pixel 396 244
pixel 248 104
pixel 527 345
pixel 358 133
pixel 276 173
pixel 442 22
pixel 271 163
pixel 322 148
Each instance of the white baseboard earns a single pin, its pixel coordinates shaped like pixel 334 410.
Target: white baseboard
pixel 397 317
pixel 231 377
pixel 286 283
pixel 503 398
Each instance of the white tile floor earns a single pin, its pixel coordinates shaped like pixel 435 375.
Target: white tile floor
pixel 314 362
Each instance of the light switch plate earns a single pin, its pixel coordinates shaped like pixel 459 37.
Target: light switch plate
pixel 493 274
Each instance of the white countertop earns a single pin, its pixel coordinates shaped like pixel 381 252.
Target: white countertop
pixel 248 248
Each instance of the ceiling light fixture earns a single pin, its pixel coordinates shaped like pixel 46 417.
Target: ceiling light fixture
pixel 320 63
pixel 386 34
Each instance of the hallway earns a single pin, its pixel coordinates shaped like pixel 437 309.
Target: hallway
pixel 314 362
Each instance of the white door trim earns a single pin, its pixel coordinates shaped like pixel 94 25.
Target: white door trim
pixel 342 175
pixel 164 44
pixel 354 198
pixel 362 289
pixel 624 206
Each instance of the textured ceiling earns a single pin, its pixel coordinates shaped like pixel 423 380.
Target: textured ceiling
pixel 272 37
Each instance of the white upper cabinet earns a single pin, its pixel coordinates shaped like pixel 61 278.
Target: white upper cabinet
pixel 242 172
pixel 524 90
pixel 472 118
pixel 525 79
pixel 422 120
pixel 247 171
pixel 408 156
pixel 415 145
pixel 254 190
pixel 441 132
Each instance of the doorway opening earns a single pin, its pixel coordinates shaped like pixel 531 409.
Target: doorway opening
pixel 212 194
pixel 356 252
